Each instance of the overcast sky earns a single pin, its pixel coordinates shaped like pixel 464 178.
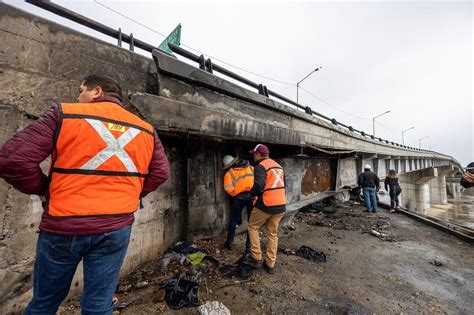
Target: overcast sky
pixel 412 58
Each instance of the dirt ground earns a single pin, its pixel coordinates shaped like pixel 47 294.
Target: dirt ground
pixel 411 269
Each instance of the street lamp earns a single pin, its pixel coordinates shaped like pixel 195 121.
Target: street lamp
pixel 419 141
pixel 403 131
pixel 298 84
pixel 373 121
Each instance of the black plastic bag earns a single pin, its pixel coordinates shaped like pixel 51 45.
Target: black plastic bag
pixel 181 292
pixel 311 254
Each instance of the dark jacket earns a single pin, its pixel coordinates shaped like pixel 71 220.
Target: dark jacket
pixel 260 178
pixel 368 179
pixel 465 183
pixel 19 166
pixel 393 184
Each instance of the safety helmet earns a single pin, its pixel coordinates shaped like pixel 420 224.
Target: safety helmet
pixel 228 160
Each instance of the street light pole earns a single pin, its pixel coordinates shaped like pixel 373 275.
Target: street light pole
pixel 419 141
pixel 403 131
pixel 373 121
pixel 298 84
pixel 431 147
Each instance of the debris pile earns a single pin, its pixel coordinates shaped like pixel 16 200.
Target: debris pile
pixel 343 217
pixel 305 252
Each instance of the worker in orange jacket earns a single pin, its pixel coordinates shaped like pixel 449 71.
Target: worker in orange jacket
pixel 238 181
pixel 269 187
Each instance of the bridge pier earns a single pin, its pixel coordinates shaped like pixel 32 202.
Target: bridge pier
pixel 438 192
pixel 416 189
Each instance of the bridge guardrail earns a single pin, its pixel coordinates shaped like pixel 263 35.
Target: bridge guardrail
pixel 204 64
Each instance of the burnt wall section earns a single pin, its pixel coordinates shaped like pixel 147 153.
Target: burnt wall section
pixel 229 109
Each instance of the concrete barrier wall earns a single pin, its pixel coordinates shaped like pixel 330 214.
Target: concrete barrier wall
pixel 41 62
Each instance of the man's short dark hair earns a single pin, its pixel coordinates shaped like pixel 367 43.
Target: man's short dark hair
pixel 109 86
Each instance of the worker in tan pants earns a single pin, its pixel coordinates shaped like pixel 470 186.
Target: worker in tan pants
pixel 269 187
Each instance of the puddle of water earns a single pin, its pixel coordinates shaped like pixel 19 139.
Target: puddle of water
pixel 459 211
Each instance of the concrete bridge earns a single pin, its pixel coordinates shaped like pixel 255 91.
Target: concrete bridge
pixel 200 117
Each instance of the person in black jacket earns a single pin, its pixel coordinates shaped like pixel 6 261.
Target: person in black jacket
pixel 391 181
pixel 467 179
pixel 369 182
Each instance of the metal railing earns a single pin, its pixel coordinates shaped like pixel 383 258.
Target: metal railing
pixel 204 64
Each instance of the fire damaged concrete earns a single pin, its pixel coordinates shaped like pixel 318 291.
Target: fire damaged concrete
pixel 199 117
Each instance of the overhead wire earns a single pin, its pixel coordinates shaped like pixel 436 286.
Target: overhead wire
pixel 196 50
pixel 233 66
pixel 330 105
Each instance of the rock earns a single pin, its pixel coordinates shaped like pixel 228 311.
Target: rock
pixel 436 262
pixel 142 284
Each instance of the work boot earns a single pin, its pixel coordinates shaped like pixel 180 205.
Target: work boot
pixel 268 269
pixel 254 263
pixel 228 245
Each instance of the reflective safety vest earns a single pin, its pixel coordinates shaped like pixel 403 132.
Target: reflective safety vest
pixel 238 180
pixel 101 157
pixel 274 191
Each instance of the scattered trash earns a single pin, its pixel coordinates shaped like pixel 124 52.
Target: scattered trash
pixel 120 305
pixel 311 254
pixel 195 259
pixel 181 292
pixel 239 270
pixel 169 257
pixel 382 236
pixel 436 262
pixel 213 308
pixel 116 304
pixel 376 233
pixel 142 284
pixel 186 248
pixel 287 251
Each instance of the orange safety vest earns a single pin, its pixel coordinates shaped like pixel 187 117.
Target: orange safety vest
pixel 101 157
pixel 274 191
pixel 238 180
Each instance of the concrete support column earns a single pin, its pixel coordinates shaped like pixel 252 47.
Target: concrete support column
pixel 416 189
pixel 438 187
pixel 381 169
pixel 422 195
pixel 438 193
pixel 453 190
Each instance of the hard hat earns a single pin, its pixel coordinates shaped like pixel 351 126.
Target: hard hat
pixel 228 160
pixel 367 167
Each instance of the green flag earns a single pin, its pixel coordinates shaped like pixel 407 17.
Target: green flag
pixel 174 37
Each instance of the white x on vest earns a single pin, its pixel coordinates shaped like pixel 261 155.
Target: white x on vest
pixel 278 173
pixel 114 147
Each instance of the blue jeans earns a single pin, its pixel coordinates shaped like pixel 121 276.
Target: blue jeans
pixel 236 207
pixel 57 258
pixel 370 199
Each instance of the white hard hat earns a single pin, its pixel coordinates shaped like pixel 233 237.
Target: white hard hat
pixel 367 167
pixel 228 160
